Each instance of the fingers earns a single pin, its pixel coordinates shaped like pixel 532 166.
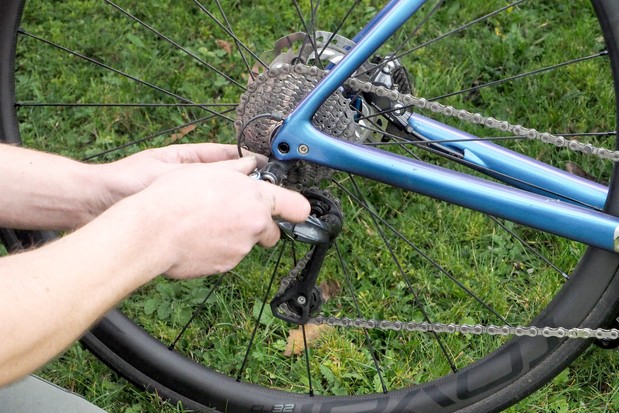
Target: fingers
pixel 285 204
pixel 244 165
pixel 270 235
pixel 207 152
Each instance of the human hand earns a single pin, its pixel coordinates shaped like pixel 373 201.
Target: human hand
pixel 130 175
pixel 203 219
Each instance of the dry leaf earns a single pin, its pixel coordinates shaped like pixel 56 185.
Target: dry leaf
pixel 313 332
pixel 224 45
pixel 183 132
pixel 329 288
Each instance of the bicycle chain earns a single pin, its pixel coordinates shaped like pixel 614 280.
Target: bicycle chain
pixel 313 74
pixel 409 101
pixel 477 329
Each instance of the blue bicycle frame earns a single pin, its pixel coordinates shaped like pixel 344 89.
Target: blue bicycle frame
pixel 539 195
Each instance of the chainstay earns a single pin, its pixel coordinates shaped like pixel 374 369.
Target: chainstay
pixel 476 329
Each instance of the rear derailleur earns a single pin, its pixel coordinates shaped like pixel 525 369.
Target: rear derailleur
pixel 298 297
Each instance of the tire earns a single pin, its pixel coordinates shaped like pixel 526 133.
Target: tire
pixel 493 382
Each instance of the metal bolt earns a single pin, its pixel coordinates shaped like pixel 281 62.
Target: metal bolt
pixel 301 300
pixel 398 112
pixel 303 149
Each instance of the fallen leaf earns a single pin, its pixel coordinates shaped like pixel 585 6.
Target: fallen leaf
pixel 226 46
pixel 313 332
pixel 183 132
pixel 329 289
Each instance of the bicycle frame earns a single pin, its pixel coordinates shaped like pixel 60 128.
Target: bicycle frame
pixel 572 211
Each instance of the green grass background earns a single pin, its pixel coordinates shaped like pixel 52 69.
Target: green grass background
pixel 574 99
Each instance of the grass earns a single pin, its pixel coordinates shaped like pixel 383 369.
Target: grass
pixel 474 249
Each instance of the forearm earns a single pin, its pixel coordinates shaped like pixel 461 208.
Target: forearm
pixel 197 220
pixel 50 296
pixel 44 191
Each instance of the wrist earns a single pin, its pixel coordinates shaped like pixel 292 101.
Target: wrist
pixel 106 188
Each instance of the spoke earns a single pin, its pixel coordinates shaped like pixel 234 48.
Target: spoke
pixel 406 278
pixel 247 49
pixel 338 28
pixel 175 44
pixel 307 362
pixel 495 82
pixel 314 9
pixel 430 143
pixel 368 340
pixel 425 256
pixel 463 27
pixel 488 139
pixel 448 34
pixel 529 247
pixel 308 34
pixel 264 300
pixel 119 72
pixel 196 312
pixel 150 137
pixel 294 254
pixel 236 41
pixel 437 6
pixel 522 137
pixel 130 105
pixel 404 142
pixel 608 133
pixel 522 75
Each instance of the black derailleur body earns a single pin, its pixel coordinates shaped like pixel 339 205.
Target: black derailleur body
pixel 299 298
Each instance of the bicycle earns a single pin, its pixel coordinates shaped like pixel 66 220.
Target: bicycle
pixel 368 101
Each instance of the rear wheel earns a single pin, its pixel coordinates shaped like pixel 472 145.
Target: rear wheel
pixel 214 342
